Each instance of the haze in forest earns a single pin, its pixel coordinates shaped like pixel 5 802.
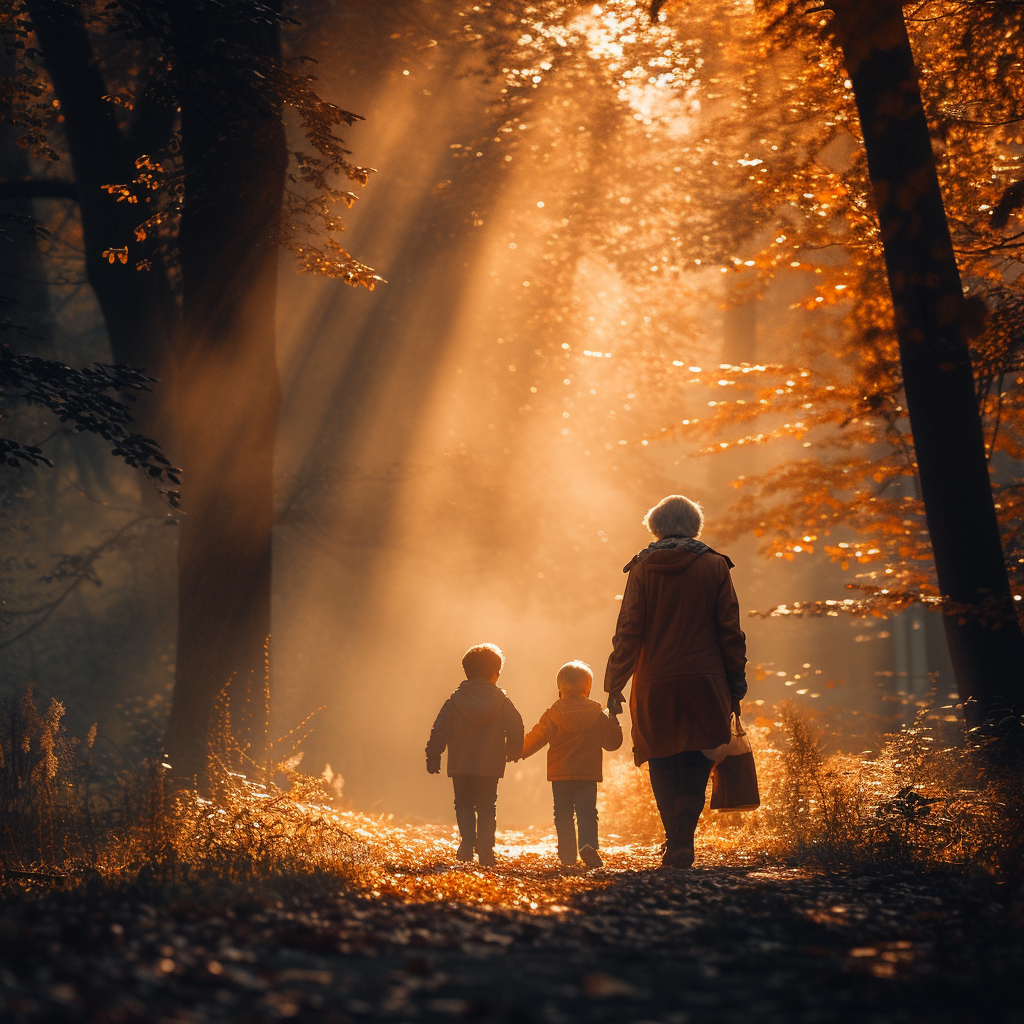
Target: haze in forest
pixel 445 476
pixel 443 497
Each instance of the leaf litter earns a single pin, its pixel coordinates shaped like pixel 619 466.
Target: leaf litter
pixel 410 934
pixel 835 901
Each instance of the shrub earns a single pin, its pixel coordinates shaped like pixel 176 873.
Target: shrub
pixel 934 796
pixel 70 808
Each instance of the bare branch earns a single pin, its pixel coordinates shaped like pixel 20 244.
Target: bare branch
pixel 83 571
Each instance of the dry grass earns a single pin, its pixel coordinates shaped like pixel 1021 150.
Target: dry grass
pixel 931 798
pixel 71 808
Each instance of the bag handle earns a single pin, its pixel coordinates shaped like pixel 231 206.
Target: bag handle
pixel 740 731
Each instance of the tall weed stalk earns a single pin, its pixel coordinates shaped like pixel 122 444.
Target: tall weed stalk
pixel 933 796
pixel 72 807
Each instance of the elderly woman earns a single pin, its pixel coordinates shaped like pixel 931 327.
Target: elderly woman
pixel 679 637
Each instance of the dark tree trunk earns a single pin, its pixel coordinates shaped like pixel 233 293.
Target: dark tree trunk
pixel 987 650
pixel 216 412
pixel 139 307
pixel 233 144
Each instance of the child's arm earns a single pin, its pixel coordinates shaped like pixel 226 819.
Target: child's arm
pixel 513 731
pixel 542 733
pixel 438 739
pixel 611 732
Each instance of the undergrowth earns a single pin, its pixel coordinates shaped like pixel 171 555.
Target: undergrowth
pixel 73 810
pixel 933 796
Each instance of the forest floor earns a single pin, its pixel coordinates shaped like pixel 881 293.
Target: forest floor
pixel 415 938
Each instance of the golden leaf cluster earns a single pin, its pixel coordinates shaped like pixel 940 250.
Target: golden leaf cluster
pixel 724 140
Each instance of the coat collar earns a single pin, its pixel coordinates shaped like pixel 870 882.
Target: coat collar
pixel 697 547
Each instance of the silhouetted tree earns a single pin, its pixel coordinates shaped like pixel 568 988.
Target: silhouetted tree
pixel 985 641
pixel 171 115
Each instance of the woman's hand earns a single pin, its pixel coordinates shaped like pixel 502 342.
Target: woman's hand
pixel 736 706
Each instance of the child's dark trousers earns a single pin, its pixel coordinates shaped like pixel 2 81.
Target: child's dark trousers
pixel 476 798
pixel 579 797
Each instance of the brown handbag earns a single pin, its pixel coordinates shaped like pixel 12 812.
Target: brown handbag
pixel 734 778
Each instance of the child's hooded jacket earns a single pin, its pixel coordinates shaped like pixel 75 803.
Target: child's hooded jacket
pixel 481 729
pixel 577 730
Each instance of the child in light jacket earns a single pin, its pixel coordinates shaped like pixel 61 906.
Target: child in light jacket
pixel 482 730
pixel 577 730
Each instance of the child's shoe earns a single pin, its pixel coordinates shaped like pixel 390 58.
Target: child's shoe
pixel 591 857
pixel 487 858
pixel 465 850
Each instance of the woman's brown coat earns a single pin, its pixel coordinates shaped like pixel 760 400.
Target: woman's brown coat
pixel 679 637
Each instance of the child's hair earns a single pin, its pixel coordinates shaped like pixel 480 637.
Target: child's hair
pixel 574 679
pixel 483 661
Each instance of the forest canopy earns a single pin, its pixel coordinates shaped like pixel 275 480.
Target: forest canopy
pixel 708 159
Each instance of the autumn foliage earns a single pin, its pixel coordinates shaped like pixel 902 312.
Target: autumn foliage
pixel 716 152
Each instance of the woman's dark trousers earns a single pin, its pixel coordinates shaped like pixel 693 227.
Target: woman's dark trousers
pixel 579 797
pixel 679 783
pixel 476 798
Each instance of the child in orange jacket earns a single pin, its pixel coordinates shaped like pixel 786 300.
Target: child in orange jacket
pixel 577 730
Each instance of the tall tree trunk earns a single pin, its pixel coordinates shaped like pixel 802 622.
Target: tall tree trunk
pixel 217 411
pixel 987 650
pixel 139 307
pixel 233 145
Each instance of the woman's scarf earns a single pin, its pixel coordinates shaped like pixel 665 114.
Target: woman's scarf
pixel 698 547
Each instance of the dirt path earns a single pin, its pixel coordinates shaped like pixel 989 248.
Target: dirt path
pixel 428 941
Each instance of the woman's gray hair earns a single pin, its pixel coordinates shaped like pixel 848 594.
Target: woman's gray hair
pixel 675 516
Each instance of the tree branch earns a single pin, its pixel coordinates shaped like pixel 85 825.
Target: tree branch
pixel 83 571
pixel 37 188
pixel 154 119
pixel 90 123
pixel 1011 200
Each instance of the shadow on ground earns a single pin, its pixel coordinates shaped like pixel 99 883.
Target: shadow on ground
pixel 709 945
